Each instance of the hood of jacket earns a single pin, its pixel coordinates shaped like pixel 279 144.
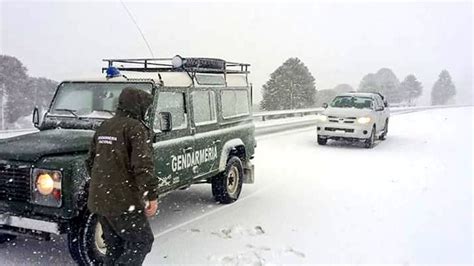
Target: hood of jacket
pixel 134 103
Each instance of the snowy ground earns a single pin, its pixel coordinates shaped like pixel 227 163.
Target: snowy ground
pixel 408 200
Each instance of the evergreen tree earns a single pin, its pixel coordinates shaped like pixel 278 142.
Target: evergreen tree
pixel 342 88
pixel 369 84
pixel 42 91
pixel 385 82
pixel 443 90
pixel 291 86
pixel 19 93
pixel 13 79
pixel 326 96
pixel 411 88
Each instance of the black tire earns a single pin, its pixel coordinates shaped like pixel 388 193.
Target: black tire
pixel 5 238
pixel 322 141
pixel 83 247
pixel 385 131
pixel 226 187
pixel 369 143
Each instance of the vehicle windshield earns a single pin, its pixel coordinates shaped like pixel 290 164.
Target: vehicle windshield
pixel 93 100
pixel 352 102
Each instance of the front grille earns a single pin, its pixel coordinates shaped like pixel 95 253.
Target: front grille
pixel 14 183
pixel 347 130
pixel 345 120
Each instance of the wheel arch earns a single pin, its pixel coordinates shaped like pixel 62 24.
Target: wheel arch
pixel 232 147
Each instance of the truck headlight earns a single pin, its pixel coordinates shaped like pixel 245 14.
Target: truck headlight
pixel 363 120
pixel 45 184
pixel 321 118
pixel 46 187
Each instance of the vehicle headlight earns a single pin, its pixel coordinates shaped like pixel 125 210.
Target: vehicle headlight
pixel 363 120
pixel 45 184
pixel 46 187
pixel 321 118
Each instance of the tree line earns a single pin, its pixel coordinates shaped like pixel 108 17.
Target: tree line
pixel 292 86
pixel 20 93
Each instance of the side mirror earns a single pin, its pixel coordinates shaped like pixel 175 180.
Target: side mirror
pixel 36 117
pixel 385 103
pixel 166 123
pixel 325 105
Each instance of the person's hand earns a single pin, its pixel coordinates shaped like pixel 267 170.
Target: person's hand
pixel 150 210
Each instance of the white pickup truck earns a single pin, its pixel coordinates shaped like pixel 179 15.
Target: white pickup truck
pixel 357 116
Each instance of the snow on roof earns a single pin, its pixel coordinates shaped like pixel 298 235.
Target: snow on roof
pixel 170 79
pixel 360 94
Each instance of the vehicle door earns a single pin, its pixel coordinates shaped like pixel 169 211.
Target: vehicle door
pixel 380 113
pixel 172 164
pixel 207 137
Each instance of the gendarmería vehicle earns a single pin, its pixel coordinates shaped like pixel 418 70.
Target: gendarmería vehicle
pixel 355 116
pixel 203 132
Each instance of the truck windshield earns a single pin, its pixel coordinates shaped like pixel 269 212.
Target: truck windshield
pixel 352 102
pixel 93 100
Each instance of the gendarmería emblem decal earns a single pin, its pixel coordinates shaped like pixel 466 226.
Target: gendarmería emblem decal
pixel 193 158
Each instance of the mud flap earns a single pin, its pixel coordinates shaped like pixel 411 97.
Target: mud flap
pixel 249 173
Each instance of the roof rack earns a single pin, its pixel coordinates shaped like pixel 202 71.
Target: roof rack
pixel 178 64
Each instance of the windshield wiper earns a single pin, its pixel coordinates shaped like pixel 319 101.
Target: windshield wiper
pixel 106 111
pixel 73 112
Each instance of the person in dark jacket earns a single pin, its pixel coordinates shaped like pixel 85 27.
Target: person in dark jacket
pixel 120 164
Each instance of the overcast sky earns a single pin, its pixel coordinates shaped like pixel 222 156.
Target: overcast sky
pixel 339 42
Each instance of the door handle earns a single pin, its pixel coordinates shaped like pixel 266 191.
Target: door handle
pixel 216 141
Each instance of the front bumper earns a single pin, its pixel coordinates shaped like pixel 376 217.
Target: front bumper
pixel 12 222
pixel 344 131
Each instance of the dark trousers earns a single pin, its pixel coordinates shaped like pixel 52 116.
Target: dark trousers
pixel 128 238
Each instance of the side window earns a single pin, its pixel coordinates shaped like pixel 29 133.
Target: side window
pixel 172 102
pixel 378 103
pixel 204 107
pixel 235 103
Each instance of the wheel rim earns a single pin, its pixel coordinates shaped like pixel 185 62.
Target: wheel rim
pixel 99 240
pixel 233 179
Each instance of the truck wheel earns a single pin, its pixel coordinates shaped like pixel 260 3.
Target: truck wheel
pixel 4 238
pixel 85 241
pixel 226 187
pixel 385 131
pixel 369 143
pixel 322 141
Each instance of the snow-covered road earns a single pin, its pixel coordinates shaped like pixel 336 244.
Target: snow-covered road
pixel 407 200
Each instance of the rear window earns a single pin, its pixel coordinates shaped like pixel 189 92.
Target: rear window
pixel 235 103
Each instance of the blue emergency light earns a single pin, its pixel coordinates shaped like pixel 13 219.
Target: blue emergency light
pixel 112 72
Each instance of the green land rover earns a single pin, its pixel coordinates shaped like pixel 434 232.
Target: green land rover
pixel 203 132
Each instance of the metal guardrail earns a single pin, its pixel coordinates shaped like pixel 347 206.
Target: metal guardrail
pixel 286 113
pixel 264 116
pixel 302 112
pixel 16 130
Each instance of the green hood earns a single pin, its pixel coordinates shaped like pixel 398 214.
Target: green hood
pixel 31 147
